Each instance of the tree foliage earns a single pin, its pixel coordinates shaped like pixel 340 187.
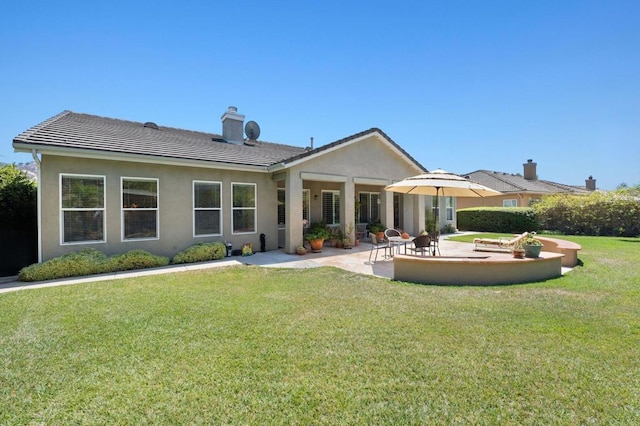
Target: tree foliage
pixel 612 213
pixel 17 198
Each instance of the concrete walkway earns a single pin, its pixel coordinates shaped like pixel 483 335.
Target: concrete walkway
pixel 355 260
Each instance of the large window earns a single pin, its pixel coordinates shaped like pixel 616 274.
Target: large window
pixel 282 207
pixel 331 207
pixel 449 201
pixel 369 207
pixel 82 208
pixel 243 208
pixel 435 206
pixel 139 208
pixel 207 208
pixel 510 203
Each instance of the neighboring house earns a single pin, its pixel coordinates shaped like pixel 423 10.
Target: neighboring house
pixel 118 185
pixel 518 190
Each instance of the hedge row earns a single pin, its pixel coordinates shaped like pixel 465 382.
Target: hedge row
pixel 90 261
pixel 599 213
pixel 498 219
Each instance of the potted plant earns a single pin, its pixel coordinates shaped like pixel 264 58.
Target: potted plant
pixel 346 237
pixel 316 236
pixel 532 246
pixel 336 237
pixel 517 251
pixel 378 229
pixel 301 250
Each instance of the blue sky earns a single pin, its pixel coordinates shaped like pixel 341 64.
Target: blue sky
pixel 461 85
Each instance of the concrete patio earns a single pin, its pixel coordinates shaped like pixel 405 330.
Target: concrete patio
pixel 355 259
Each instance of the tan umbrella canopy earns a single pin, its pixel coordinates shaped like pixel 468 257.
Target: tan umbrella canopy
pixel 441 183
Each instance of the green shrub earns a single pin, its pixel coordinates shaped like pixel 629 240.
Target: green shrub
pixel 498 219
pixel 136 259
pixel 89 261
pixel 85 262
pixel 201 253
pixel 599 214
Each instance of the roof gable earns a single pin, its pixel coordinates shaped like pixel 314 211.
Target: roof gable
pixel 357 137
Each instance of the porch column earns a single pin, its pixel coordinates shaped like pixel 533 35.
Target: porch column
pixel 347 207
pixel 418 214
pixel 386 208
pixel 293 212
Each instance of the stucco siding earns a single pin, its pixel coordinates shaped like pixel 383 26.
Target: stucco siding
pixel 175 204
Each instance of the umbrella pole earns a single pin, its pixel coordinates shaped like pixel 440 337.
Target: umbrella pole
pixel 436 217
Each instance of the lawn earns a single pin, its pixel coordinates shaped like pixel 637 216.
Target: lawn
pixel 323 346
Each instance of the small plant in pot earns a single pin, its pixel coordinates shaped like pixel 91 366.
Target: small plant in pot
pixel 532 246
pixel 301 250
pixel 517 251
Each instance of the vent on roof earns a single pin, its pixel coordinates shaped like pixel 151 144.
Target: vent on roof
pixel 151 125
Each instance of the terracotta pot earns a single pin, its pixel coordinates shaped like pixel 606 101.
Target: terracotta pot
pixel 301 251
pixel 518 253
pixel 380 235
pixel 316 245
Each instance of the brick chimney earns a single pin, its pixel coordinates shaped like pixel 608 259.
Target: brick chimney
pixel 530 170
pixel 590 183
pixel 232 126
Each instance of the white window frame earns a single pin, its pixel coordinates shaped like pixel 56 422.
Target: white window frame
pixel 103 209
pixel 196 209
pixel 123 210
pixel 306 207
pixel 282 191
pixel 512 202
pixel 336 220
pixel 450 203
pixel 254 208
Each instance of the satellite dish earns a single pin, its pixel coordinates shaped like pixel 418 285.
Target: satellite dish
pixel 252 130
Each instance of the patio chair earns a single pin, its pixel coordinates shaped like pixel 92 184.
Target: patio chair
pixel 391 233
pixel 435 242
pixel 361 231
pixel 421 245
pixel 500 244
pixel 377 246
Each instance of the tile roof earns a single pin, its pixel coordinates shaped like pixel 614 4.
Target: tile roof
pixel 89 132
pixel 511 183
pixel 71 130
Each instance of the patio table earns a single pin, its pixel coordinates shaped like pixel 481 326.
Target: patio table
pixel 396 242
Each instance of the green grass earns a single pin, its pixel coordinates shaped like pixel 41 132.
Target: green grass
pixel 323 346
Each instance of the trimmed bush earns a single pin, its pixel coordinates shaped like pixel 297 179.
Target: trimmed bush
pixel 89 261
pixel 201 253
pixel 136 259
pixel 498 219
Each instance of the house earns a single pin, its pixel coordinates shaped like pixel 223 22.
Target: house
pixel 118 185
pixel 518 190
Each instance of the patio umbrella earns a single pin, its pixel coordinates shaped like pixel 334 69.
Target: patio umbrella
pixel 441 183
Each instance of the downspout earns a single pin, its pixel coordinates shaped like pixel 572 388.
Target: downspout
pixel 38 161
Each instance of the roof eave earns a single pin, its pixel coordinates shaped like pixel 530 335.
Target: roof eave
pixel 134 158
